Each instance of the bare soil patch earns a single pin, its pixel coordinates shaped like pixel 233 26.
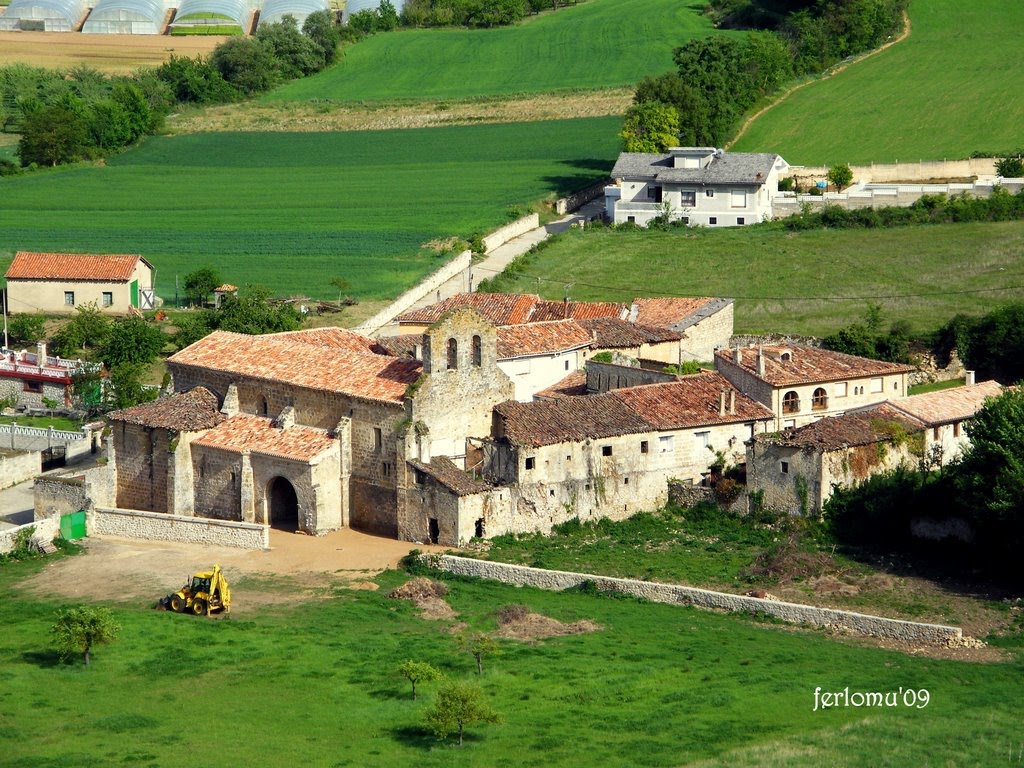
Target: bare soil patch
pixel 535 626
pixel 296 567
pixel 115 54
pixel 428 596
pixel 331 116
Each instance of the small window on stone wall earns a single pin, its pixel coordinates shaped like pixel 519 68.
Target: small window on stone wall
pixel 530 462
pixel 33 386
pixel 453 354
pixel 378 438
pixel 606 450
pixel 477 351
pixel 385 469
pixel 478 528
pixel 421 477
pixel 644 446
pixel 785 467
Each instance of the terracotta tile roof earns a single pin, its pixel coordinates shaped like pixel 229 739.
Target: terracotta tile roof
pixel 575 310
pixel 675 312
pixel 189 411
pixel 692 401
pixel 331 338
pixel 72 266
pixel 612 333
pixel 809 365
pixel 573 385
pixel 400 346
pixel 256 434
pixel 226 288
pixel 444 471
pixel 864 427
pixel 948 405
pixel 327 369
pixel 498 308
pixel 541 338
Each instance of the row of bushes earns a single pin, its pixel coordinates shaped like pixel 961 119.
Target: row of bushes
pixel 446 13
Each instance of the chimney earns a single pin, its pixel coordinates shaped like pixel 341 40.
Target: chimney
pixel 721 403
pixel 970 379
pixel 737 355
pixel 41 354
pixel 565 308
pixel 760 361
pixel 732 402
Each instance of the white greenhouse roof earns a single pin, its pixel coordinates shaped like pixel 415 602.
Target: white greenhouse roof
pixel 224 10
pixel 134 10
pixel 69 11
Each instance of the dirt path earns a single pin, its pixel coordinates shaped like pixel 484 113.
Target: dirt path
pixel 295 566
pixel 330 116
pixel 828 74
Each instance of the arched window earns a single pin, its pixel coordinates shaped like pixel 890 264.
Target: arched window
pixel 261 405
pixel 477 351
pixel 453 354
pixel 791 402
pixel 819 400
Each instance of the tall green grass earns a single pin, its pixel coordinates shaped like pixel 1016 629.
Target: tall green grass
pixel 950 89
pixel 315 684
pixel 292 210
pixel 598 44
pixel 811 282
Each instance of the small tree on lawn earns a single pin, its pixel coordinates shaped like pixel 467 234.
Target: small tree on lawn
pixel 840 176
pixel 200 284
pixel 418 672
pixel 77 630
pixel 26 328
pixel 478 645
pixel 458 706
pixel 342 285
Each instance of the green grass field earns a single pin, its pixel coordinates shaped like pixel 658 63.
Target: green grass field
pixel 315 684
pixel 290 211
pixel 598 44
pixel 950 89
pixel 811 282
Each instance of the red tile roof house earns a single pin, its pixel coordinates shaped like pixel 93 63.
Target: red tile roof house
pixel 797 470
pixel 802 384
pixel 35 377
pixel 59 282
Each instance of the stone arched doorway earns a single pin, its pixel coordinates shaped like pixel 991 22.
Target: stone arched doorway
pixel 282 505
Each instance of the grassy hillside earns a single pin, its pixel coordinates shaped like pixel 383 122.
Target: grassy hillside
pixel 316 684
pixel 808 282
pixel 598 44
pixel 292 210
pixel 950 89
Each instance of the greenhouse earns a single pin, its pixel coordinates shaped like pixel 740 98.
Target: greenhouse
pixel 43 15
pixel 127 17
pixel 275 10
pixel 218 14
pixel 354 6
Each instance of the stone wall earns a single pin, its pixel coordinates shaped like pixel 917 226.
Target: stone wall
pixel 578 199
pixel 893 172
pixel 44 531
pixel 56 496
pixel 540 578
pixel 708 334
pixel 138 524
pixel 18 466
pixel 604 377
pixel 510 231
pixel 143 454
pixel 48 391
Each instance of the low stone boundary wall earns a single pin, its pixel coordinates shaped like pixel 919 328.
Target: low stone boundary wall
pixel 418 292
pixel 578 199
pixel 540 578
pixel 55 496
pixel 45 530
pixel 920 171
pixel 18 466
pixel 510 231
pixel 138 524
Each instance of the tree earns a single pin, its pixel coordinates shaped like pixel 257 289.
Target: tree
pixel 321 29
pixel 132 340
pixel 53 135
pixel 342 285
pixel 387 16
pixel 418 672
pixel 124 387
pixel 77 630
pixel 253 313
pixel 840 176
pixel 296 54
pixel 200 284
pixel 26 328
pixel 650 127
pixel 458 706
pixel 247 63
pixel 86 330
pixel 478 645
pixel 196 80
pixel 1010 167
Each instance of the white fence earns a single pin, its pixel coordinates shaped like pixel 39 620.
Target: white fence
pixel 56 435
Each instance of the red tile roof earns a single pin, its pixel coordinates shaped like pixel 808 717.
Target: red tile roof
pixel 498 308
pixel 871 425
pixel 190 411
pixel 226 288
pixel 541 338
pixel 332 338
pixel 72 266
pixel 575 310
pixel 671 311
pixel 400 346
pixel 948 405
pixel 573 385
pixel 324 368
pixel 612 333
pixel 243 432
pixel 444 471
pixel 692 401
pixel 809 365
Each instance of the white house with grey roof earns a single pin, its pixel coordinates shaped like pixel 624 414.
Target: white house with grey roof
pixel 702 186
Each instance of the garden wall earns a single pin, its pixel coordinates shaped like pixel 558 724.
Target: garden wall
pixel 18 466
pixel 136 524
pixel 891 172
pixel 511 231
pixel 45 530
pixel 541 578
pixel 578 199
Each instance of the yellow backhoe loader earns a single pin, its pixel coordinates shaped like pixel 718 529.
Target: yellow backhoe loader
pixel 205 593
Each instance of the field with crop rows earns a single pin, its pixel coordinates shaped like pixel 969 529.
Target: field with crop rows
pixel 292 210
pixel 950 89
pixel 810 282
pixel 597 44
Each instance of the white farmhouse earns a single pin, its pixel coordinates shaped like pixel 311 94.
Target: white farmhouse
pixel 701 186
